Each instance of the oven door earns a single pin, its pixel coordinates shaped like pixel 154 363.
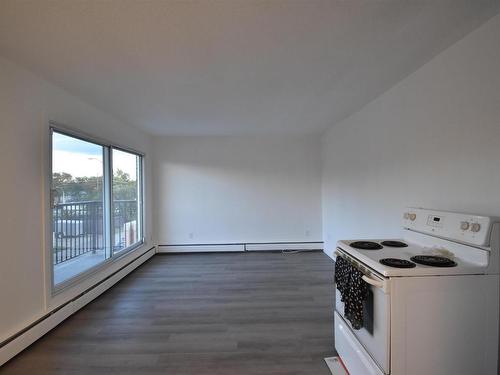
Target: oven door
pixel 374 337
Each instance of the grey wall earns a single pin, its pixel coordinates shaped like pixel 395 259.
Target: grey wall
pixel 27 103
pixel 237 189
pixel 433 141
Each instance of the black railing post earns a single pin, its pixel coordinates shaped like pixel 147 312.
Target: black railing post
pixel 77 227
pixel 95 227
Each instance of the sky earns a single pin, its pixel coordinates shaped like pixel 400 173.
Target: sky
pixel 80 158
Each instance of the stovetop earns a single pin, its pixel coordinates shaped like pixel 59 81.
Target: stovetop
pixel 372 256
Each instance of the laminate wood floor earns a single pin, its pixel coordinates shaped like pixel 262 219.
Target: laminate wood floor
pixel 203 314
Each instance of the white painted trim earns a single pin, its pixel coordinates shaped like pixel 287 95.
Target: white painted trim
pixel 37 331
pixel 29 337
pixel 200 248
pixel 285 246
pixel 236 247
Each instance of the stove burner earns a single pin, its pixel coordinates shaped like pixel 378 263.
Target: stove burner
pixel 394 244
pixel 435 261
pixel 366 245
pixel 397 263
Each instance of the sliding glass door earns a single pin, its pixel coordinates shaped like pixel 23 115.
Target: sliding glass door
pixel 96 204
pixel 126 191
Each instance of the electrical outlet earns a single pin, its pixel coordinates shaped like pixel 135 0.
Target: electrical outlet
pixel 308 233
pixel 191 235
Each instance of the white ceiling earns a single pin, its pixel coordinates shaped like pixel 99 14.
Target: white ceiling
pixel 232 66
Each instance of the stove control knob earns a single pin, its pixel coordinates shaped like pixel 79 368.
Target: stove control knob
pixel 476 227
pixel 413 216
pixel 464 225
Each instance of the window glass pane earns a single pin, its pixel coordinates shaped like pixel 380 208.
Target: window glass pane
pixel 126 199
pixel 78 220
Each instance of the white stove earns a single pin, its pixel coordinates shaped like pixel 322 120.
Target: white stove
pixel 465 265
pixel 434 318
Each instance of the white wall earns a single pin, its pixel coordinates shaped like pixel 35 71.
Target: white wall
pixel 433 140
pixel 27 103
pixel 237 189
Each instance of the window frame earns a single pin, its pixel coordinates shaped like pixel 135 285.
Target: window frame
pixel 108 205
pixel 140 200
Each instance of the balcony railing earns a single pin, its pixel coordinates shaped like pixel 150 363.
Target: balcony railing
pixel 78 228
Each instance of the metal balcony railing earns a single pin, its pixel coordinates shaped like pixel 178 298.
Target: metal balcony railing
pixel 78 227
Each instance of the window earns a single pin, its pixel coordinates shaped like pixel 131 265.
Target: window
pixel 96 204
pixel 126 199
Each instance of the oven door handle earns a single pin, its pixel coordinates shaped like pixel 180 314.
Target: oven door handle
pixel 375 283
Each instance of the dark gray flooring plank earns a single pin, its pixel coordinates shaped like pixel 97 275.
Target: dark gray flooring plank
pixel 240 313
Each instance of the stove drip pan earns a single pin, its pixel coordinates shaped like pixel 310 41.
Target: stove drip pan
pixel 397 263
pixel 433 261
pixel 394 244
pixel 366 245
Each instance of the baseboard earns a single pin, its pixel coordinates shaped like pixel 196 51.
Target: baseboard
pixel 284 246
pixel 20 341
pixel 239 247
pixel 201 248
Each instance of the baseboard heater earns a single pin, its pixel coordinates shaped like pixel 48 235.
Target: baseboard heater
pixel 240 247
pixel 24 338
